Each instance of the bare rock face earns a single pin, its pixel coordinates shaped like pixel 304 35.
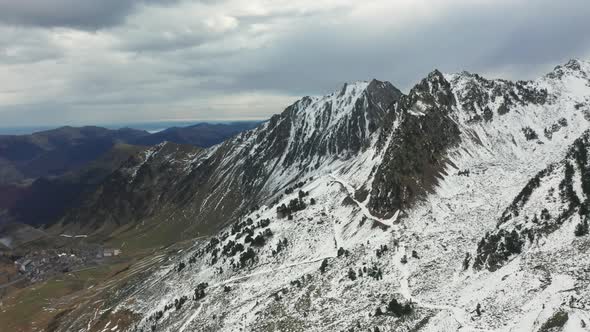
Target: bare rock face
pixel 415 156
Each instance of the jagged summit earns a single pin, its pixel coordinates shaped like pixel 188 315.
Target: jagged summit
pixel 572 67
pixel 342 121
pixel 352 88
pixel 343 100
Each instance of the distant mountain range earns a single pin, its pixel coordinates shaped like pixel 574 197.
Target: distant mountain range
pixel 202 134
pixel 57 151
pixel 44 173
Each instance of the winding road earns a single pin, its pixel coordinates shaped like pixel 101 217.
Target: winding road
pixel 458 314
pixel 350 190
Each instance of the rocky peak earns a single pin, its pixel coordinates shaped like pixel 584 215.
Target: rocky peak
pixel 383 92
pixel 480 99
pixel 309 133
pixel 340 122
pixel 415 156
pixel 353 88
pixel 573 64
pixel 432 92
pixel 435 76
pixel 574 67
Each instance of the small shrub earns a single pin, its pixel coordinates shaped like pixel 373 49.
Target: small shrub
pixel 398 309
pixel 556 321
pixel 179 302
pixel 200 291
pixel 378 312
pixel 529 134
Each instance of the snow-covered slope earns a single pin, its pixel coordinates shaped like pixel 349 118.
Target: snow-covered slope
pixel 371 210
pixel 215 186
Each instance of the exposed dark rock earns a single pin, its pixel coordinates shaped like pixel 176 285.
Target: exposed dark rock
pixel 415 157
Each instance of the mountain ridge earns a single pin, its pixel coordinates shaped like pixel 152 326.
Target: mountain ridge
pixel 310 115
pixel 275 145
pixel 317 220
pixel 46 173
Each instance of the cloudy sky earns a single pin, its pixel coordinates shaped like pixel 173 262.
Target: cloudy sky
pixel 109 61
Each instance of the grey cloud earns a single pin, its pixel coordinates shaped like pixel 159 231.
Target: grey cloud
pixel 184 73
pixel 85 14
pixel 18 46
pixel 530 37
pixel 174 43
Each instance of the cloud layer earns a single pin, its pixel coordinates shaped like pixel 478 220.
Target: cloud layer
pixel 92 62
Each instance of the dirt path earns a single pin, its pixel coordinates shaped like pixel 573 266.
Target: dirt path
pixel 192 317
pixel 11 283
pixel 350 190
pixel 459 314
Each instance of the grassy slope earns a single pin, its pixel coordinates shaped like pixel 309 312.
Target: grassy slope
pixel 43 305
pixel 36 306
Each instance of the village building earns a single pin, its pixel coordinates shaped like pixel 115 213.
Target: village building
pixel 110 252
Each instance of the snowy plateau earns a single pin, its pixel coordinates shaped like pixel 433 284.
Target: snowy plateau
pixel 460 206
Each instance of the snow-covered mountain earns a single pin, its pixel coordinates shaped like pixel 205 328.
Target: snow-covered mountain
pixel 462 205
pixel 217 185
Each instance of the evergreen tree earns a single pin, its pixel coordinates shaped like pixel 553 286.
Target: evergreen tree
pixel 258 241
pixel 324 265
pixel 581 228
pixel 246 256
pixel 466 261
pixel 200 291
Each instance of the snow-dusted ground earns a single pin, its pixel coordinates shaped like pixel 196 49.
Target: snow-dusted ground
pixel 286 291
pixel 441 230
